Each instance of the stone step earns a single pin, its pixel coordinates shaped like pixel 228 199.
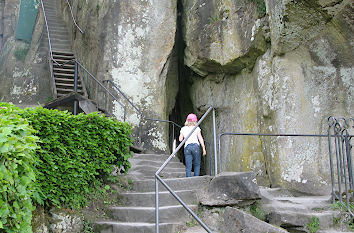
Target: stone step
pixel 136 227
pixel 154 157
pixel 147 199
pixel 190 183
pixel 142 162
pixel 152 169
pixel 151 175
pixel 293 219
pixel 167 214
pixel 333 231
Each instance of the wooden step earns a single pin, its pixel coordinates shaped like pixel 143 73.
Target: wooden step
pixel 63 56
pixel 66 85
pixel 69 90
pixel 63 75
pixel 61 61
pixel 61 70
pixel 65 66
pixel 63 53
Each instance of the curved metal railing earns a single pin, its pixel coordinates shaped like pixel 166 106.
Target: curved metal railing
pixel 72 16
pixel 343 158
pixel 158 178
pixel 141 114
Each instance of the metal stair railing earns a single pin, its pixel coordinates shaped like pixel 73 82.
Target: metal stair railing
pixel 141 114
pixel 343 154
pixel 72 16
pixel 343 160
pixel 79 65
pixel 158 178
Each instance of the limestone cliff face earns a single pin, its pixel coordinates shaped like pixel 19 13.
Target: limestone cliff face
pixel 305 76
pixel 23 65
pixel 221 36
pixel 131 43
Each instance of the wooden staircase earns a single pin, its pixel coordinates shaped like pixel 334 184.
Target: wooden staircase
pixel 63 71
pixel 63 63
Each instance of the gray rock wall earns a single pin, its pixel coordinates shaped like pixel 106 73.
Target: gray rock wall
pixel 24 73
pixel 285 72
pixel 131 43
pixel 305 76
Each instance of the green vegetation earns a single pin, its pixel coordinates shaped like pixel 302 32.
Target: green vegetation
pixel 54 158
pixel 261 7
pixel 21 53
pixel 17 173
pixel 256 211
pixel 314 224
pixel 192 223
pixel 345 217
pixel 341 206
pixel 214 19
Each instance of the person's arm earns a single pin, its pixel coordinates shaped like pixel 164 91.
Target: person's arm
pixel 181 137
pixel 201 141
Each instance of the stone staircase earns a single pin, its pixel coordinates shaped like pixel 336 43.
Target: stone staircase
pixel 138 213
pixel 294 211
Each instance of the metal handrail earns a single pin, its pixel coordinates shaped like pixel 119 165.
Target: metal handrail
pixel 158 178
pixel 265 134
pixel 141 114
pixel 72 16
pixel 101 85
pixel 136 108
pixel 341 155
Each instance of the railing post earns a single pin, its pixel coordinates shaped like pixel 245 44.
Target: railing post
pixel 106 96
pixel 173 137
pixel 156 205
pixel 215 147
pixel 330 159
pixel 75 86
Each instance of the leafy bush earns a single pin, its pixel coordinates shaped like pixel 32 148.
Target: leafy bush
pixel 77 152
pixel 17 176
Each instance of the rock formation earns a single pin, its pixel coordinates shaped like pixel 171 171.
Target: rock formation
pixel 266 66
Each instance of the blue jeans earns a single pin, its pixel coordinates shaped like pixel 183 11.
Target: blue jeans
pixel 192 156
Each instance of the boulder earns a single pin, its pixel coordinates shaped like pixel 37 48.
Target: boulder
pixel 235 221
pixel 221 35
pixel 65 222
pixel 230 188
